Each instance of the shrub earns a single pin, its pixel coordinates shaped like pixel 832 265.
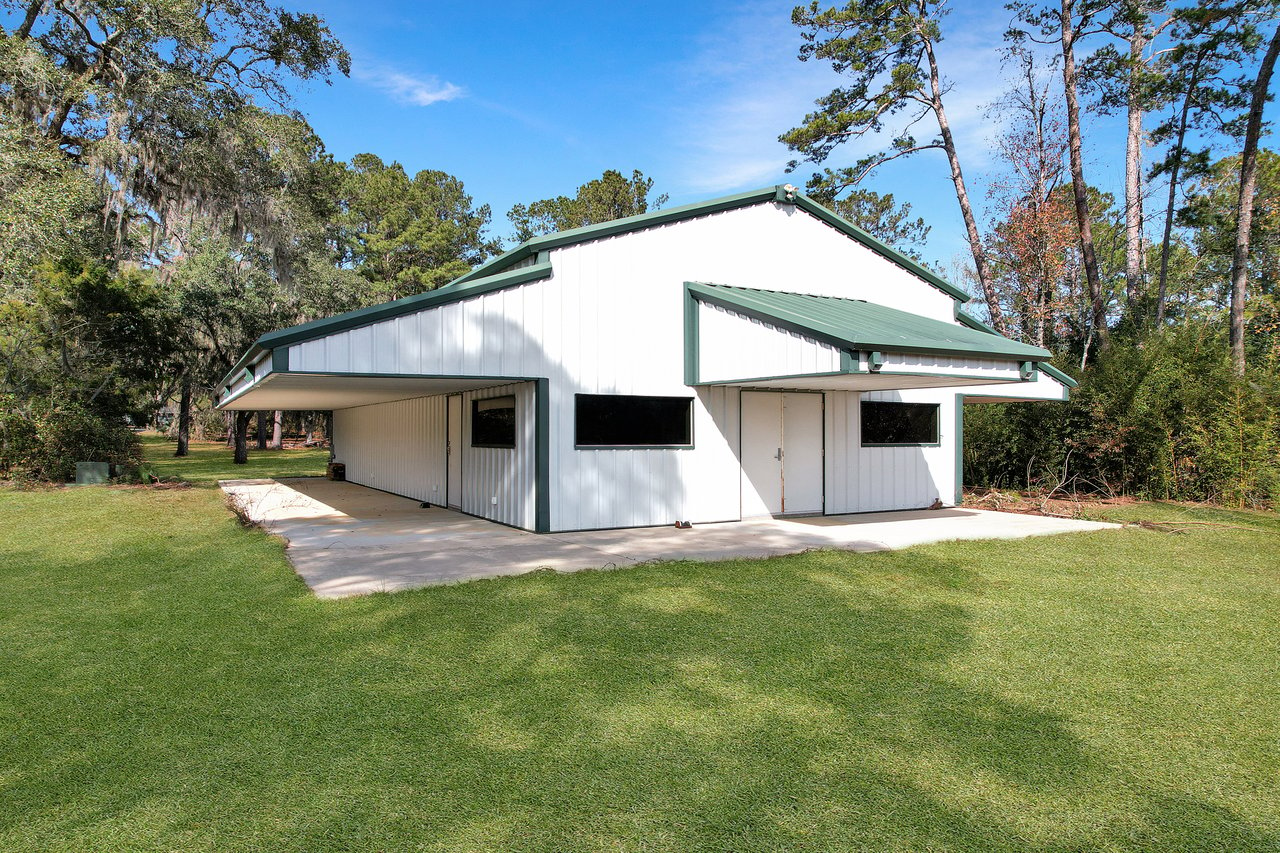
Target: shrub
pixel 46 440
pixel 1163 417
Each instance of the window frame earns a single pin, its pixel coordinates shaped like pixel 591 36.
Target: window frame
pixel 689 421
pixel 515 421
pixel 862 431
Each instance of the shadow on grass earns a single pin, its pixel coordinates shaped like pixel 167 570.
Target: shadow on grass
pixel 796 703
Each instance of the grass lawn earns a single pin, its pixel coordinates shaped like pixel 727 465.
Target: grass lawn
pixel 169 683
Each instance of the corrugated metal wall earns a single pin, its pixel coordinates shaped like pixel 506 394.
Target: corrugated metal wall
pixel 869 479
pixel 610 321
pixel 732 346
pixel 400 448
pixel 507 475
pixel 397 447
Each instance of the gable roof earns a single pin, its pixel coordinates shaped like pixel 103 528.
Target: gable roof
pixel 781 194
pixel 527 262
pixel 861 325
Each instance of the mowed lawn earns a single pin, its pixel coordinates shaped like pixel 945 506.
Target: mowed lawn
pixel 168 683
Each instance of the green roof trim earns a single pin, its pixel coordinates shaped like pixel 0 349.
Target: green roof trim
pixel 528 262
pixel 455 291
pixel 856 324
pixel 1057 374
pixel 778 194
pixel 973 322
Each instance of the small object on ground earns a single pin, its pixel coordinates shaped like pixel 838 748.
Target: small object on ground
pixel 684 525
pixel 424 505
pixel 92 473
pixel 937 504
pixel 336 471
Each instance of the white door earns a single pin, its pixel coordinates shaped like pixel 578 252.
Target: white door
pixel 453 448
pixel 781 453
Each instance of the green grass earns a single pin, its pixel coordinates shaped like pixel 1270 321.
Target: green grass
pixel 208 462
pixel 169 683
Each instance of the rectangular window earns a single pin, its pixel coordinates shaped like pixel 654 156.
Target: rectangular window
pixel 624 420
pixel 897 424
pixel 493 422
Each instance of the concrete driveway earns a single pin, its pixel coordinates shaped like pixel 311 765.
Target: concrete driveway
pixel 345 539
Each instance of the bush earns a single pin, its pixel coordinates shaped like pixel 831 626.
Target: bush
pixel 44 442
pixel 1163 417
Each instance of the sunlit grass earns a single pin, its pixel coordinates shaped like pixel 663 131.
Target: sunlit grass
pixel 210 461
pixel 169 683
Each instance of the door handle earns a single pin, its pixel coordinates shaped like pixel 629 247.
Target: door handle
pixel 778 455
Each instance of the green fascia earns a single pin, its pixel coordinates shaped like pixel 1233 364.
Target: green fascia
pixel 777 193
pixel 883 250
pixel 692 354
pixel 1057 374
pixel 615 227
pixel 455 291
pixel 756 304
pixel 967 319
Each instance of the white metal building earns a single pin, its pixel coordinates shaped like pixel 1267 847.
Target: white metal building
pixel 750 355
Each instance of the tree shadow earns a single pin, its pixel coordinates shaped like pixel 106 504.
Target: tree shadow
pixel 737 705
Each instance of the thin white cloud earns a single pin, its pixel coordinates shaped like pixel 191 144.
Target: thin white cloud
pixel 747 86
pixel 409 89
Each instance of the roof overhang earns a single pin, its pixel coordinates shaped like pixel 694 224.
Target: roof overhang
pixel 770 339
pixel 319 391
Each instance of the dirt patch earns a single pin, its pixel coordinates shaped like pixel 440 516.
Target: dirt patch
pixel 1053 506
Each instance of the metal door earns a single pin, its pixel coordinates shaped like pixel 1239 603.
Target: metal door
pixel 781 453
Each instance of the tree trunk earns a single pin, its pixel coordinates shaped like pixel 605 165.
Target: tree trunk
pixel 962 195
pixel 328 432
pixel 261 427
pixel 230 418
pixel 241 438
pixel 184 417
pixel 1166 240
pixel 1133 284
pixel 1244 206
pixel 277 431
pixel 1084 221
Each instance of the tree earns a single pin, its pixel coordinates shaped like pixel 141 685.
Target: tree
pixel 407 235
pixel 1126 81
pixel 140 94
pixel 603 199
pixel 1207 38
pixel 886 47
pixel 1030 246
pixel 1244 203
pixel 880 216
pixel 1066 25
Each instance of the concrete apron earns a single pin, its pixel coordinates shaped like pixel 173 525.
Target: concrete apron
pixel 345 539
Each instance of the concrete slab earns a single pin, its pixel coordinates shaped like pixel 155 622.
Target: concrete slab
pixel 346 539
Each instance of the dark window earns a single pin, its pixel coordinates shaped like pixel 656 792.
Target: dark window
pixel 621 420
pixel 493 422
pixel 899 423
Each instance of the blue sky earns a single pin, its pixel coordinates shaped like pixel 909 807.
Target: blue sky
pixel 525 100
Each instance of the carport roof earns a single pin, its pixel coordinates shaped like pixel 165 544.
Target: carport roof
pixel 860 325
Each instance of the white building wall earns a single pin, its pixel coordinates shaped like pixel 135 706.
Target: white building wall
pixel 870 479
pixel 734 346
pixel 399 447
pixel 610 321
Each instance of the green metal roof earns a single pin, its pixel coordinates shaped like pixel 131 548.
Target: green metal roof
pixel 523 264
pixel 856 324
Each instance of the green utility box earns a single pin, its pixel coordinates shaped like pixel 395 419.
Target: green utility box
pixel 92 473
